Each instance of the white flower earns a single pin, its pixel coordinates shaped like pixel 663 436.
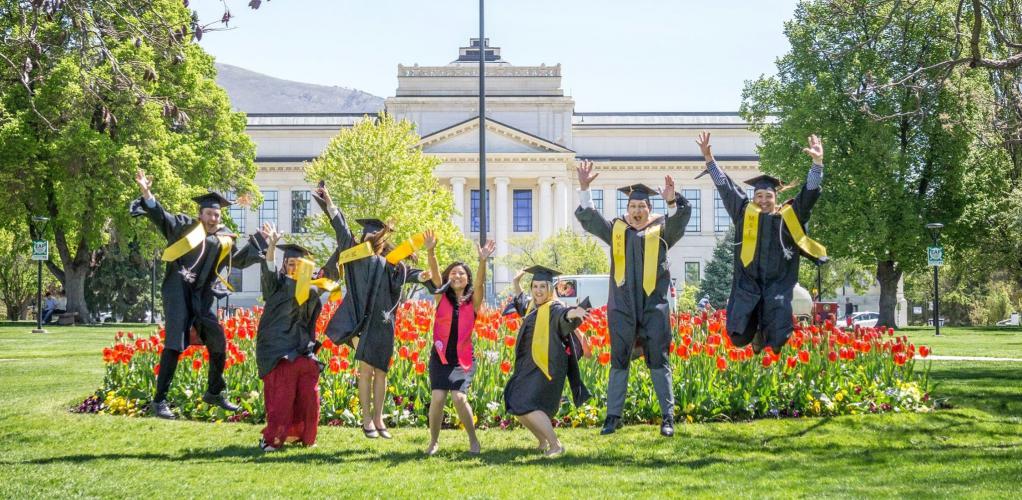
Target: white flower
pixel 492 356
pixel 493 406
pixel 188 393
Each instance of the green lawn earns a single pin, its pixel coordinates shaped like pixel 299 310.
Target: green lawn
pixel 974 449
pixel 969 341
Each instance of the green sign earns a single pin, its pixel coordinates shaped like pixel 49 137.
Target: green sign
pixel 935 256
pixel 40 250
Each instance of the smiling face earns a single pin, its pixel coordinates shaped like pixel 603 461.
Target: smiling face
pixel 290 266
pixel 210 218
pixel 638 211
pixel 542 292
pixel 459 277
pixel 766 199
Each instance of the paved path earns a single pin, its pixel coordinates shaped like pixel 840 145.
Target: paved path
pixel 972 358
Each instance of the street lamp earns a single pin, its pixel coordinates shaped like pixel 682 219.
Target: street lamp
pixel 482 137
pixel 935 257
pixel 39 275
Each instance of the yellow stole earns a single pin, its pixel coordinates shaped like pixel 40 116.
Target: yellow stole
pixel 651 242
pixel 357 252
pixel 405 249
pixel 541 340
pixel 303 279
pixel 193 239
pixel 750 232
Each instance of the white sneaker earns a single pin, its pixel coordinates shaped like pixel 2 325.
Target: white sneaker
pixel 266 447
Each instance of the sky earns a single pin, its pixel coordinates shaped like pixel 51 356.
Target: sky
pixel 636 55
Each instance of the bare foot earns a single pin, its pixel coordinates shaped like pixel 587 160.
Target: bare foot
pixel 432 449
pixel 473 448
pixel 554 452
pixel 543 445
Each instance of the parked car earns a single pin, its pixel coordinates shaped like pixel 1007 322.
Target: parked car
pixel 865 318
pixel 572 288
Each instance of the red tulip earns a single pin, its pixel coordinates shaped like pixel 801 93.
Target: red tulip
pixel 832 356
pixel 924 351
pixel 604 358
pixel 403 352
pixel 803 356
pixel 721 363
pixel 767 361
pixel 420 368
pixel 509 340
pixel 156 369
pixel 196 364
pixel 335 364
pixel 792 362
pixel 505 366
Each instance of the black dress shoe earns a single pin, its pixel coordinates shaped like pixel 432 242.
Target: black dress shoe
pixel 160 409
pixel 667 426
pixel 610 425
pixel 219 400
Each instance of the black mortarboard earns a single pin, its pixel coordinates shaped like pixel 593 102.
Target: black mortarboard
pixel 585 303
pixel 767 182
pixel 370 225
pixel 542 273
pixel 638 192
pixel 211 199
pixel 292 250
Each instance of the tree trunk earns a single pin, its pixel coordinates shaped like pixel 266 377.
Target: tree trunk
pixel 74 286
pixel 888 274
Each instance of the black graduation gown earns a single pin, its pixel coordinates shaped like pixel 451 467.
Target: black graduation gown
pixel 631 314
pixel 191 304
pixel 372 290
pixel 528 389
pixel 761 293
pixel 286 329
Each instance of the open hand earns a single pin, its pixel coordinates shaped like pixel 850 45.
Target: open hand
pixel 704 145
pixel 668 192
pixel 144 183
pixel 815 149
pixel 487 250
pixel 269 231
pixel 429 239
pixel 584 169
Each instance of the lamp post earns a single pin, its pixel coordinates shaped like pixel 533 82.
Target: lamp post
pixel 39 274
pixel 935 257
pixel 152 288
pixel 482 138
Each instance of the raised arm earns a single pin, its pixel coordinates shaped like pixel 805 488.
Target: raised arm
pixel 592 221
pixel 806 198
pixel 345 239
pixel 269 281
pixel 170 225
pixel 679 211
pixel 434 266
pixel 479 292
pixel 731 194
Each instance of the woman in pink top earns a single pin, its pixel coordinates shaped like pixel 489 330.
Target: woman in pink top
pixel 451 363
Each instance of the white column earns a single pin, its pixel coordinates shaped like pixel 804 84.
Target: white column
pixel 707 208
pixel 502 223
pixel 561 201
pixel 458 190
pixel 546 208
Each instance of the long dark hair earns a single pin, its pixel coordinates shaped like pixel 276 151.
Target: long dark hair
pixel 445 278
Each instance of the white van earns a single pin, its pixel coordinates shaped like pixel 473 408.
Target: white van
pixel 573 287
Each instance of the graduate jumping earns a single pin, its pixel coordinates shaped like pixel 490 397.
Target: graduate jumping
pixel 640 278
pixel 200 250
pixel 546 353
pixel 769 240
pixel 286 344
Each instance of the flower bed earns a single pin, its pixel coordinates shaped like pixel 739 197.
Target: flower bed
pixel 823 370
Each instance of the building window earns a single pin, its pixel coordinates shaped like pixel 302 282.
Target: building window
pixel 474 216
pixel 268 210
pixel 659 205
pixel 692 195
pixel 721 220
pixel 235 279
pixel 597 197
pixel 523 210
pixel 622 203
pixel 692 273
pixel 300 210
pixel 236 212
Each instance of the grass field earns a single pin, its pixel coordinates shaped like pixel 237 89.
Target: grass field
pixel 973 449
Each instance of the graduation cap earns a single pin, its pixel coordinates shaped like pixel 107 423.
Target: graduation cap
pixel 767 182
pixel 585 303
pixel 638 192
pixel 542 273
pixel 212 199
pixel 292 250
pixel 370 225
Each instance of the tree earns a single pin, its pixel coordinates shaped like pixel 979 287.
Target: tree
pixel 719 271
pixel 74 133
pixel 838 273
pixel 566 251
pixel 121 282
pixel 890 177
pixel 18 273
pixel 375 170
